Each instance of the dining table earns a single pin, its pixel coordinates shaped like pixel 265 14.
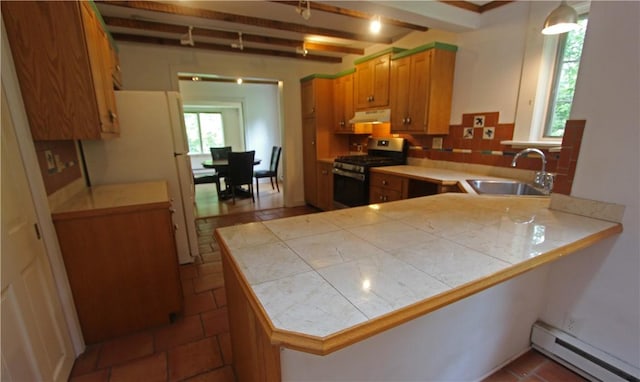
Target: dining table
pixel 220 165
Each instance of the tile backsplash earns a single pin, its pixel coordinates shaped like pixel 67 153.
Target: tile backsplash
pixel 477 141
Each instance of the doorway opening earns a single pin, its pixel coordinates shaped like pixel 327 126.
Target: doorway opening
pixel 243 115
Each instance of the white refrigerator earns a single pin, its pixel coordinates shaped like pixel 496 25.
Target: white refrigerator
pixel 152 146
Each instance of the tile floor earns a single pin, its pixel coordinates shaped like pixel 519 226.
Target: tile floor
pixel 197 347
pixel 534 367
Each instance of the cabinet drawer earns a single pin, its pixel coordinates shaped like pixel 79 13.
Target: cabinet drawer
pixel 381 195
pixel 389 182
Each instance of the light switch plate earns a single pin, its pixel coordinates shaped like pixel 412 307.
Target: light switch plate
pixel 437 143
pixel 51 162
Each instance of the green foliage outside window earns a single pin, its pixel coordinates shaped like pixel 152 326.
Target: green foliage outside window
pixel 564 82
pixel 204 130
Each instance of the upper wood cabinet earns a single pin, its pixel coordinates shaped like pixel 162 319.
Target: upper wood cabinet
pixel 371 83
pixel 421 89
pixel 64 65
pixel 343 103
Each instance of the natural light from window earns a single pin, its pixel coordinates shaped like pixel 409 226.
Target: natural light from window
pixel 204 130
pixel 564 79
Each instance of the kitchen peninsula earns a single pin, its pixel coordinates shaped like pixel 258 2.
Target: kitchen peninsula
pixel 313 297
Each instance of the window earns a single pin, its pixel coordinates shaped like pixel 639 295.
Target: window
pixel 204 130
pixel 564 79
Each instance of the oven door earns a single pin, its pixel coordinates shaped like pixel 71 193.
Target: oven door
pixel 349 189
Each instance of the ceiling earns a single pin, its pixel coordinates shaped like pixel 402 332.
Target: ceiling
pixel 303 30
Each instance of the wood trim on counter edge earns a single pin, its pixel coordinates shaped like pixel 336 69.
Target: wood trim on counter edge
pixel 326 345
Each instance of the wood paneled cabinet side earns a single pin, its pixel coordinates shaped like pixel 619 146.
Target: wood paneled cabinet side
pixel 371 83
pixel 325 186
pixel 62 60
pixel 318 135
pixel 343 103
pixel 122 266
pixel 421 92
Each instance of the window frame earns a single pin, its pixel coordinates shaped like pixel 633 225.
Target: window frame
pixel 198 113
pixel 536 80
pixel 556 75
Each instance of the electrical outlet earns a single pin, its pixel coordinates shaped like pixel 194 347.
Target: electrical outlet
pixel 572 324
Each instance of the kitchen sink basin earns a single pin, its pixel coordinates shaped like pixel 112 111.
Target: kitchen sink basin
pixel 503 187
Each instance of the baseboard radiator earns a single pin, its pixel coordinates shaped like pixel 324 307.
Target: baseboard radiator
pixel 584 359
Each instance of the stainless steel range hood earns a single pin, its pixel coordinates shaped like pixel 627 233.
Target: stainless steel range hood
pixel 371 116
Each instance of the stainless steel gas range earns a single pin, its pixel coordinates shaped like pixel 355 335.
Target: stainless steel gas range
pixel 351 173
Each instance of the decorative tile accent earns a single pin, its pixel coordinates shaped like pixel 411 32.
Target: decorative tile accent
pixel 488 132
pixel 467 133
pixel 478 121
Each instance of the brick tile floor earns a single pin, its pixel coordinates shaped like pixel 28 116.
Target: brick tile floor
pixel 532 366
pixel 197 347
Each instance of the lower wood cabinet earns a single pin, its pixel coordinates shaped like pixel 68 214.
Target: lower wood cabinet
pixel 387 188
pixel 325 186
pixel 122 266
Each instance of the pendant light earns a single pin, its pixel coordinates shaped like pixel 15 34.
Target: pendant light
pixel 562 19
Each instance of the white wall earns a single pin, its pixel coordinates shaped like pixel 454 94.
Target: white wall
pixel 147 67
pixel 600 287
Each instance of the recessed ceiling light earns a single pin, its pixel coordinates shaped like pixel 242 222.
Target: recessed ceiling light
pixel 375 25
pixel 239 81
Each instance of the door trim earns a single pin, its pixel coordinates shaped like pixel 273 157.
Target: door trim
pixel 40 201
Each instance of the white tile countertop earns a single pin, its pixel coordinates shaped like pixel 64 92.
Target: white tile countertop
pixel 321 275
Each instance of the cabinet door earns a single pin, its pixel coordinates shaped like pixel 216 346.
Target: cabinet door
pixel 100 58
pixel 325 186
pixel 308 99
pixel 363 85
pixel 343 103
pixel 372 83
pixel 55 79
pixel 381 73
pixel 309 159
pixel 419 91
pixel 400 92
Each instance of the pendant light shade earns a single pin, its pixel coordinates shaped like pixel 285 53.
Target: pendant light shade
pixel 562 19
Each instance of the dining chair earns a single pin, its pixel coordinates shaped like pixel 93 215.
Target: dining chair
pixel 240 172
pixel 218 153
pixel 272 172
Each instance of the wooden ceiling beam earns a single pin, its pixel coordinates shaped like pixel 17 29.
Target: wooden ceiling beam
pixel 212 33
pixel 477 8
pixel 323 7
pixel 246 20
pixel 223 48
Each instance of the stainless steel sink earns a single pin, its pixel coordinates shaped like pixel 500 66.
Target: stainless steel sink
pixel 503 187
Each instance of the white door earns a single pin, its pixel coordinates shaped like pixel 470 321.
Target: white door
pixel 35 343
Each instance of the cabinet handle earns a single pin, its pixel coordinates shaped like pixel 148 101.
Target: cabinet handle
pixel 313 143
pixel 172 210
pixel 384 182
pixel 112 116
pixel 408 120
pixel 118 68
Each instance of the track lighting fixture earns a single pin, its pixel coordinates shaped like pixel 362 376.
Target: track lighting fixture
pixel 304 9
pixel 187 38
pixel 239 45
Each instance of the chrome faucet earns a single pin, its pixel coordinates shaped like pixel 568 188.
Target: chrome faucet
pixel 543 179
